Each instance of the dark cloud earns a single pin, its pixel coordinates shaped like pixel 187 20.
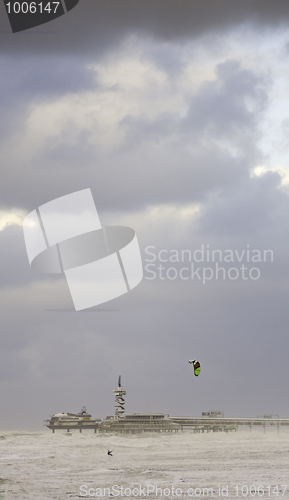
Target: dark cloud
pixel 97 25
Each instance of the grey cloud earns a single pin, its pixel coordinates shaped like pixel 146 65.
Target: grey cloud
pixel 165 160
pixel 248 208
pixel 139 130
pixel 165 55
pixel 52 77
pixel 15 270
pixel 231 103
pixel 32 77
pixel 24 82
pixel 12 367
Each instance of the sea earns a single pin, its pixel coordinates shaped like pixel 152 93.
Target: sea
pixel 60 466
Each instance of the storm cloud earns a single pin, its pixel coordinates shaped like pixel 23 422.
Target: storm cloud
pixel 175 115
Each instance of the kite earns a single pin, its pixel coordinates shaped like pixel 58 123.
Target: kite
pixel 197 366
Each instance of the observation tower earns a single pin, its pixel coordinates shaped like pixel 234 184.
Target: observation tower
pixel 119 394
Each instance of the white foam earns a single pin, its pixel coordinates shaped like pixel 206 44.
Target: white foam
pixel 46 466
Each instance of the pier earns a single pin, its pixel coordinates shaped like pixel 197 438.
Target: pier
pixel 210 421
pixel 146 422
pixel 221 424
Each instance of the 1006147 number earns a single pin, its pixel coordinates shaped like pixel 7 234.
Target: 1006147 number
pixel 32 7
pixel 251 491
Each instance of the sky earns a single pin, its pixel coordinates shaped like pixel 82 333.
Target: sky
pixel 175 115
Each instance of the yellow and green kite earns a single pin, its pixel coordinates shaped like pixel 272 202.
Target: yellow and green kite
pixel 197 366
